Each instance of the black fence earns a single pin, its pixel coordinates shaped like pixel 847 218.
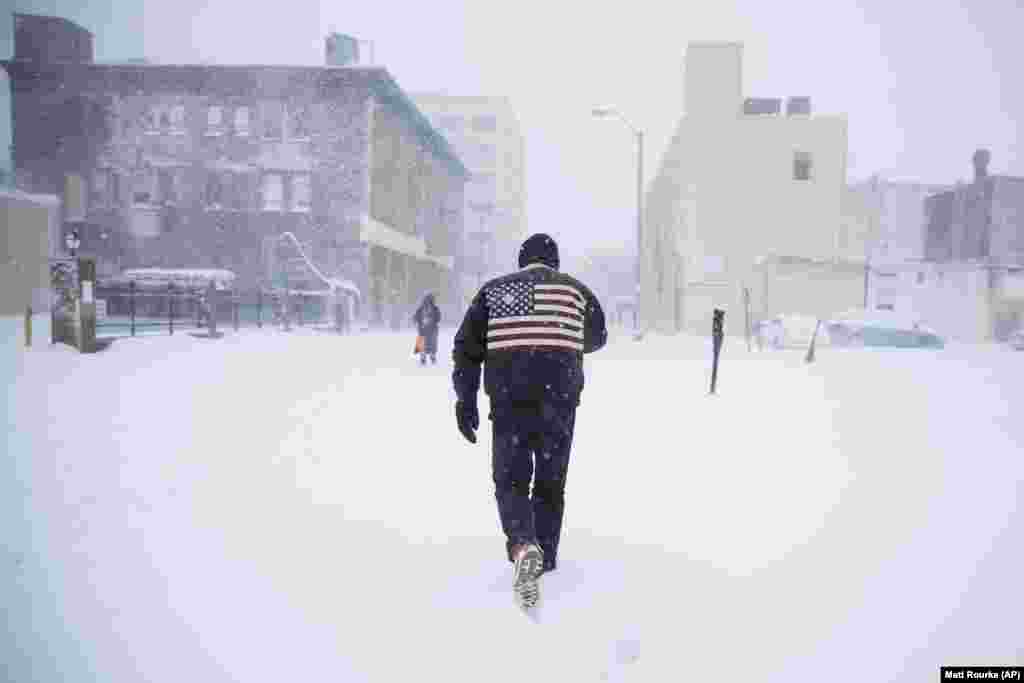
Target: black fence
pixel 137 310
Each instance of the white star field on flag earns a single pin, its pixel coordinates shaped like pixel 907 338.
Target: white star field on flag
pixel 524 314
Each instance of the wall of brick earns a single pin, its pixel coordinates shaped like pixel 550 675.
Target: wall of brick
pixel 1008 220
pixel 185 231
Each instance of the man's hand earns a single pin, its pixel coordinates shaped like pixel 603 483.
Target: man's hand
pixel 468 419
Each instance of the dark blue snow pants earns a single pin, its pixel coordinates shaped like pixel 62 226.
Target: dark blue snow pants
pixel 532 439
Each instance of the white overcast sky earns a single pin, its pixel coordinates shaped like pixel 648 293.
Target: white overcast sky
pixel 923 84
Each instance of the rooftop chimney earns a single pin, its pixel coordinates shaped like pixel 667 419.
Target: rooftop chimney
pixel 981 159
pixel 798 106
pixel 759 106
pixel 341 50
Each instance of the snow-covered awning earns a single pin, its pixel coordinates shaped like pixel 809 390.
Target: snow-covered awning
pixel 382 235
pixel 232 166
pixel 179 276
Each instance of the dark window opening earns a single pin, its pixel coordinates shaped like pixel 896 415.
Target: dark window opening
pixel 801 166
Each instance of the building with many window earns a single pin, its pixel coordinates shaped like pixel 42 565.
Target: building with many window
pixel 198 166
pixel 486 134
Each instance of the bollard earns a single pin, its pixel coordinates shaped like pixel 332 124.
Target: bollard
pixel 810 349
pixel 717 335
pixel 28 325
pixel 131 304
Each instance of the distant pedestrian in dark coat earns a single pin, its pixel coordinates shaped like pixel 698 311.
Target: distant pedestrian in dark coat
pixel 529 330
pixel 428 320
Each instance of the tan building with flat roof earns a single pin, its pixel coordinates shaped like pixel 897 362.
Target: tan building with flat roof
pixel 486 135
pixel 743 181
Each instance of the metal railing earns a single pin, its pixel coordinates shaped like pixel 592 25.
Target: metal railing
pixel 139 311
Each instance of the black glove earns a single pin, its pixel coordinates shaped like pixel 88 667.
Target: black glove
pixel 468 419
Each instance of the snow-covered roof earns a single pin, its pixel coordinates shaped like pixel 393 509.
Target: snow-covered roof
pixel 345 286
pixel 179 274
pixel 16 194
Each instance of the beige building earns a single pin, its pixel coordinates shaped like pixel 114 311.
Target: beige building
pixel 486 136
pixel 742 184
pixel 29 237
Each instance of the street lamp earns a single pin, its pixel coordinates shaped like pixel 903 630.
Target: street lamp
pixel 606 112
pixel 73 242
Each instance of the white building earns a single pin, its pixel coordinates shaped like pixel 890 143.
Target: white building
pixel 967 301
pixel 741 181
pixel 487 137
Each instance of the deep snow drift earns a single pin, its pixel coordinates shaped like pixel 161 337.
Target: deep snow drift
pixel 299 506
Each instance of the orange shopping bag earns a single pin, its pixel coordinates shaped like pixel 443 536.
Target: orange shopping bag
pixel 419 344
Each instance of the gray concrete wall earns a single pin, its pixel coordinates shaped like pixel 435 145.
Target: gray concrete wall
pixel 26 227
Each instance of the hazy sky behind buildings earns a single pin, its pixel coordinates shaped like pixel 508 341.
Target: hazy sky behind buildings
pixel 923 84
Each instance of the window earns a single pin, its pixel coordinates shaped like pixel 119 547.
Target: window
pixel 214 120
pixel 74 198
pixel 301 193
pixel 298 123
pixel 452 124
pixel 101 190
pixel 178 119
pixel 920 277
pixel 168 185
pixel 482 156
pixel 165 119
pixel 801 166
pixel 242 121
pixel 151 120
pixel 485 124
pixel 271 118
pixel 144 189
pixel 482 187
pixel 214 191
pixel 273 192
pixel 885 307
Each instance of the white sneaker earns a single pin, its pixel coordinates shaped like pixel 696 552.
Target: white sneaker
pixel 528 568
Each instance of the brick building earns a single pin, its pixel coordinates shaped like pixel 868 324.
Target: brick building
pixel 970 284
pixel 193 166
pixel 981 220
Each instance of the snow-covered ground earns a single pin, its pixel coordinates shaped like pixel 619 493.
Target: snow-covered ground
pixel 297 506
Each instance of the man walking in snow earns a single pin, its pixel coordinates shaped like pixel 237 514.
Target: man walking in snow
pixel 530 330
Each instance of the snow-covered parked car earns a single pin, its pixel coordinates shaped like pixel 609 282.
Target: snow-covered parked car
pixel 789 332
pixel 881 329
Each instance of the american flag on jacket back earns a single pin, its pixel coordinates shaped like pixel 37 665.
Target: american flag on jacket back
pixel 528 314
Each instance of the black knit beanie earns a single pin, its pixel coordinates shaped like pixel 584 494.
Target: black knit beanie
pixel 539 248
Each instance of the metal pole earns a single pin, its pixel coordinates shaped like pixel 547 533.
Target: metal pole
pixel 639 221
pixel 746 306
pixel 170 304
pixel 259 309
pixel 131 294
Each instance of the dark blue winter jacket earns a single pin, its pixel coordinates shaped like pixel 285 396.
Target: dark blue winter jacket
pixel 530 329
